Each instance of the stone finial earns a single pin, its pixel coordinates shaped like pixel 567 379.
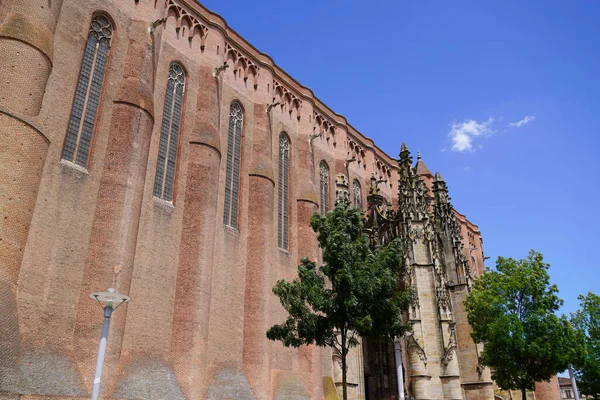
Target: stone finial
pixel 374 184
pixel 418 155
pixel 440 190
pixel 341 190
pixel 405 157
pixel 373 189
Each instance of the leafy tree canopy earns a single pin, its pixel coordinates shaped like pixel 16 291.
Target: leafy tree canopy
pixel 587 366
pixel 354 293
pixel 512 310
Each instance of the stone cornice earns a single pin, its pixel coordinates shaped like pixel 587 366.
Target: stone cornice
pixel 463 219
pixel 215 21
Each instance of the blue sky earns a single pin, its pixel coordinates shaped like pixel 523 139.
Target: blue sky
pixel 516 84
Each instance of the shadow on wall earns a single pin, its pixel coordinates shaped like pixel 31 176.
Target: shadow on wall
pixel 287 386
pixel 229 384
pixel 148 379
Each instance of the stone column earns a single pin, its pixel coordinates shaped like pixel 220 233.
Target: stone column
pixel 450 369
pixel 417 357
pixel 256 349
pixel 306 205
pixel 192 296
pixel 116 218
pixel 26 45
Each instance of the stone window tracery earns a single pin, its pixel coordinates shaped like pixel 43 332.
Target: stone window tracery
pixel 169 131
pixel 283 192
pixel 324 186
pixel 87 92
pixel 232 173
pixel 356 194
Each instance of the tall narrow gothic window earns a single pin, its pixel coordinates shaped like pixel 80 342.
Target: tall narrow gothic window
pixel 167 148
pixel 356 193
pixel 324 179
pixel 232 175
pixel 87 92
pixel 283 201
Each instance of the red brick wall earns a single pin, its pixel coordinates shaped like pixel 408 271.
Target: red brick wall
pixel 547 390
pixel 201 291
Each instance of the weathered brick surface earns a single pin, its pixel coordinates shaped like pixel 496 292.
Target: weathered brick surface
pixel 548 390
pixel 201 291
pixel 26 38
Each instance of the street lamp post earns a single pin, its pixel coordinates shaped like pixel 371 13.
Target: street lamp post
pixel 573 383
pixel 399 373
pixel 109 301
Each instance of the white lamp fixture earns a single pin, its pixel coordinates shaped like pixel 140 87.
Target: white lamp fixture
pixel 109 301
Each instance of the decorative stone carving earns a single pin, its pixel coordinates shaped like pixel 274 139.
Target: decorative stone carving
pixel 443 303
pixel 380 223
pixel 480 367
pixel 356 194
pixel 416 234
pixel 382 170
pixel 413 344
pixel 445 218
pixel 186 23
pixel 101 28
pixel 341 190
pixel 324 187
pixel 413 201
pixel 450 347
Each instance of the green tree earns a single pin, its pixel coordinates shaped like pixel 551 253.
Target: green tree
pixel 354 293
pixel 587 366
pixel 512 311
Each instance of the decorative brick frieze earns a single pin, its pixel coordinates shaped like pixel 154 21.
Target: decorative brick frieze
pixel 323 126
pixel 187 24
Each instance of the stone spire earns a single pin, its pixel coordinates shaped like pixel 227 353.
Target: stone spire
pixel 425 174
pixel 421 169
pixel 449 229
pixel 440 190
pixel 413 201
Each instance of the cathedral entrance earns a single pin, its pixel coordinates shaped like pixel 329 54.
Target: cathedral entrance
pixel 380 369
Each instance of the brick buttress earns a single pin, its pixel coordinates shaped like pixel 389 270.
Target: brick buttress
pixel 115 225
pixel 194 274
pixel 26 48
pixel 309 357
pixel 256 348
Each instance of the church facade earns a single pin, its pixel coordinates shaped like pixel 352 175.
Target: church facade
pixel 147 147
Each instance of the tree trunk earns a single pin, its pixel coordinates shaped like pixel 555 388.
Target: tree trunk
pixel 344 353
pixel 523 393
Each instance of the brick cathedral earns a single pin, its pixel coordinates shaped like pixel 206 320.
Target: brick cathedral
pixel 147 147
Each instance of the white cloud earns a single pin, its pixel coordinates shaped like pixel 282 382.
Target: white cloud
pixel 463 133
pixel 522 122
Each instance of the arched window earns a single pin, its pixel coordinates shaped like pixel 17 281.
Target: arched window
pixel 283 191
pixel 324 180
pixel 356 194
pixel 87 92
pixel 167 148
pixel 232 174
